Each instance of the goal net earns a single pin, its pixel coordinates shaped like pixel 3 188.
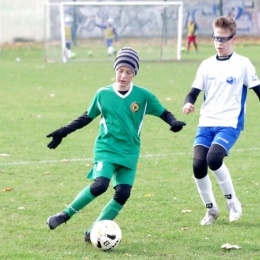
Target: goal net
pixel 94 31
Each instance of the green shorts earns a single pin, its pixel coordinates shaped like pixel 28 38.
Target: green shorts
pixel 118 173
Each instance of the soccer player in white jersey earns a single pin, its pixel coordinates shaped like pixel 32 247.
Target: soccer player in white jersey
pixel 122 108
pixel 225 79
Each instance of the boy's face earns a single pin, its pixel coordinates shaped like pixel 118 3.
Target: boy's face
pixel 223 46
pixel 124 76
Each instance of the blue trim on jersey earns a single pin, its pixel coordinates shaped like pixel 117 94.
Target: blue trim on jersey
pixel 241 117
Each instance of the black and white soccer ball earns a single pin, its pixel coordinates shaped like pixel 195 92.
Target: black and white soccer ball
pixel 106 235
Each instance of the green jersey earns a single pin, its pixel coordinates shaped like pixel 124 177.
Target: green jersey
pixel 121 123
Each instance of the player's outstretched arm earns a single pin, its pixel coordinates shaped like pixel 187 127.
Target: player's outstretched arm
pixel 188 108
pixel 101 26
pixel 257 90
pixel 190 101
pixel 57 136
pixel 176 126
pixel 169 118
pixel 115 34
pixel 62 132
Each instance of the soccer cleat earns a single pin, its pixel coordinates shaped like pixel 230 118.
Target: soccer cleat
pixel 235 210
pixel 87 237
pixel 56 220
pixel 210 217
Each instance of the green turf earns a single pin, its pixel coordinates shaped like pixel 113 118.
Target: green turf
pixel 37 98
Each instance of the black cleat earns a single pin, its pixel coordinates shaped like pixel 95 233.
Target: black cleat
pixel 56 220
pixel 87 237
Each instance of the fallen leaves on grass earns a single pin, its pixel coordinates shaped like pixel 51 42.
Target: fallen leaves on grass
pixel 65 160
pixel 148 195
pixel 7 189
pixel 229 246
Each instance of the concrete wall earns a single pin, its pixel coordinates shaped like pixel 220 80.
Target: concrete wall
pixel 21 19
pixel 24 19
pixel 247 15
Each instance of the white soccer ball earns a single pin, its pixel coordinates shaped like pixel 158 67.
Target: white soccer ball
pixel 183 49
pixel 111 50
pixel 106 235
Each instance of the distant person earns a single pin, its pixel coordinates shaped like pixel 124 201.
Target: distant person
pixel 68 37
pixel 110 36
pixel 225 79
pixel 121 108
pixel 191 35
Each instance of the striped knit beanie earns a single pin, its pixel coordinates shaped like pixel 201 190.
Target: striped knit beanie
pixel 127 57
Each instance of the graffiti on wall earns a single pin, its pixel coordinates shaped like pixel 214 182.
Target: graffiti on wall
pixel 130 21
pixel 26 19
pixel 243 11
pixel 149 21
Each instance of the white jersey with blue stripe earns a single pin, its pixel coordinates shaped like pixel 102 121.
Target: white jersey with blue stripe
pixel 225 84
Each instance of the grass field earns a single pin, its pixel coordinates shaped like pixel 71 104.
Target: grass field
pixel 94 50
pixel 37 98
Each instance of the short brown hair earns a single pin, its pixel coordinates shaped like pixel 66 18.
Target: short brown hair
pixel 225 23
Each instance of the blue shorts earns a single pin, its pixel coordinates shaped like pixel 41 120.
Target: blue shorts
pixel 109 42
pixel 223 136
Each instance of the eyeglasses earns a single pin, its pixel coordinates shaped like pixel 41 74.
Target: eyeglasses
pixel 222 39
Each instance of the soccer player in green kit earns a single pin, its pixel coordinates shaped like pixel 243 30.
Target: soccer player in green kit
pixel 122 107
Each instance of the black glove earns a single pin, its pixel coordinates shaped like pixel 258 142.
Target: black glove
pixel 56 137
pixel 176 126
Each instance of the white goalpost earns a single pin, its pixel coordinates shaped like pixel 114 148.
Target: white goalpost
pixel 75 31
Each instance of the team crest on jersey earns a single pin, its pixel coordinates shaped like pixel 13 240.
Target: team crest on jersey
pixel 231 80
pixel 134 107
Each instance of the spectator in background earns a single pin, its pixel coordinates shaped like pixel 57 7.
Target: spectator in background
pixel 68 37
pixel 110 36
pixel 191 35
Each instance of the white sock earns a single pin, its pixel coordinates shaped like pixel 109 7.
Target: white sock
pixel 69 54
pixel 224 180
pixel 205 190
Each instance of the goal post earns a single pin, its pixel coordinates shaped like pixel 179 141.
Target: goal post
pixel 76 30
